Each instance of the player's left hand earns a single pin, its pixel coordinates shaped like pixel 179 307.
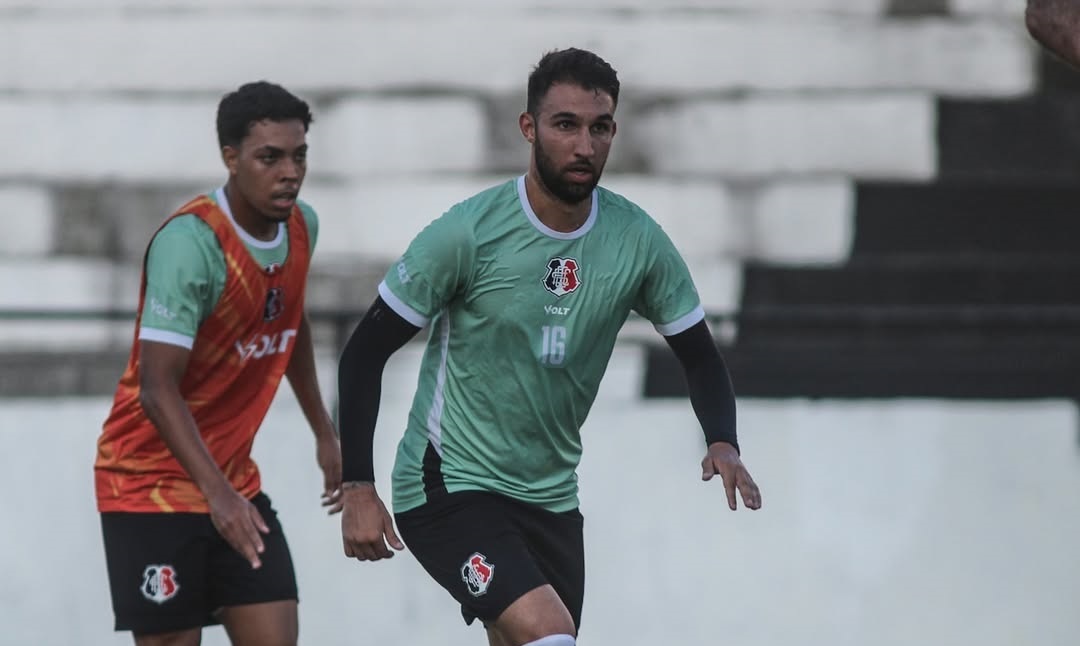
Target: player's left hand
pixel 328 455
pixel 723 459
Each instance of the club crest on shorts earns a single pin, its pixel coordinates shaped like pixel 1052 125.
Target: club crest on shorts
pixel 159 583
pixel 477 574
pixel 562 276
pixel 274 304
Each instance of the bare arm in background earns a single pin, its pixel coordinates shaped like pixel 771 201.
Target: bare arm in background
pixel 302 377
pixel 161 368
pixel 1056 25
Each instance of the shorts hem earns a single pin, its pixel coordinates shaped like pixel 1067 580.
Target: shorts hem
pixel 156 626
pixel 270 598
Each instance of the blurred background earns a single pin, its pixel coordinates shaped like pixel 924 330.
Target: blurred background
pixel 878 200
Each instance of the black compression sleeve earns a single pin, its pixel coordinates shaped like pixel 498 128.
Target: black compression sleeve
pixel 380 333
pixel 711 393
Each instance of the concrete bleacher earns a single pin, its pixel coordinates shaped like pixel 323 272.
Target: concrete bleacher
pixel 34 236
pixel 352 51
pixel 877 135
pixel 960 285
pixel 858 7
pixel 745 125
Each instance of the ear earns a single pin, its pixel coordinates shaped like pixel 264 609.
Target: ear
pixel 231 157
pixel 527 123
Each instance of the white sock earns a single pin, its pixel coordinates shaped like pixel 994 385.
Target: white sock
pixel 554 640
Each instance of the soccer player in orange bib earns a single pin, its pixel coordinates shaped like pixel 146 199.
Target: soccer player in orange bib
pixel 190 539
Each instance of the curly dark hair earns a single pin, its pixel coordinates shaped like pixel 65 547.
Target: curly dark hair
pixel 254 102
pixel 572 65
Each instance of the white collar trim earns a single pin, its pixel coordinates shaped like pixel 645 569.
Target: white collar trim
pixel 548 231
pixel 223 203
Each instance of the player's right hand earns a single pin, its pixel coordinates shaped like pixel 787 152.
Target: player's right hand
pixel 723 459
pixel 366 526
pixel 239 523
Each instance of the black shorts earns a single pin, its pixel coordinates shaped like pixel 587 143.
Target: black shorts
pixel 488 550
pixel 173 571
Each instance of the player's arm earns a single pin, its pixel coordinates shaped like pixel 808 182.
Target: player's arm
pixel 1056 25
pixel 365 521
pixel 305 383
pixel 711 393
pixel 184 278
pixel 161 369
pixel 713 400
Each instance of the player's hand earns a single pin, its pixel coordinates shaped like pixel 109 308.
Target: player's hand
pixel 724 460
pixel 366 526
pixel 239 523
pixel 328 455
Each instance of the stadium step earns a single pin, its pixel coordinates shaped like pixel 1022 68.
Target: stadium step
pixel 990 221
pixel 960 288
pixel 912 283
pixel 1034 139
pixel 885 366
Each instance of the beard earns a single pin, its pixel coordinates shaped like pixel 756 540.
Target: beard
pixel 564 190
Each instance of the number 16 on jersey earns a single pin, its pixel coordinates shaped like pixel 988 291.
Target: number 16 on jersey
pixel 553 349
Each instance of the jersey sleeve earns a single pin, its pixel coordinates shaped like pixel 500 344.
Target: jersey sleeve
pixel 434 269
pixel 311 219
pixel 185 276
pixel 667 297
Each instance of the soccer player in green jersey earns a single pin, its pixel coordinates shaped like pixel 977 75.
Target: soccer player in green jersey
pixel 1056 25
pixel 525 287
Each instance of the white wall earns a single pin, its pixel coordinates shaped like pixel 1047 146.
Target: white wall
pixel 885 523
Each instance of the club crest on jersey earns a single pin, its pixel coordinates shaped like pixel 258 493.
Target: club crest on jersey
pixel 477 574
pixel 274 304
pixel 159 583
pixel 562 276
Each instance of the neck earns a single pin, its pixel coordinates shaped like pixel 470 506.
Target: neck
pixel 550 210
pixel 246 217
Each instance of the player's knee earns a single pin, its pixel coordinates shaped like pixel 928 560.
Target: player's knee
pixel 191 637
pixel 554 640
pixel 537 615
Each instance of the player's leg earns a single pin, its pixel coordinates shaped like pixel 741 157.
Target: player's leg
pixel 469 543
pixel 551 612
pixel 156 564
pixel 495 638
pixel 257 607
pixel 536 615
pixel 554 640
pixel 261 624
pixel 192 637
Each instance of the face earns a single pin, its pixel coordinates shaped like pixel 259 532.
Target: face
pixel 571 136
pixel 269 166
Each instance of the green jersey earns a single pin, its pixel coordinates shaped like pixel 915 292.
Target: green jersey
pixel 523 322
pixel 185 272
